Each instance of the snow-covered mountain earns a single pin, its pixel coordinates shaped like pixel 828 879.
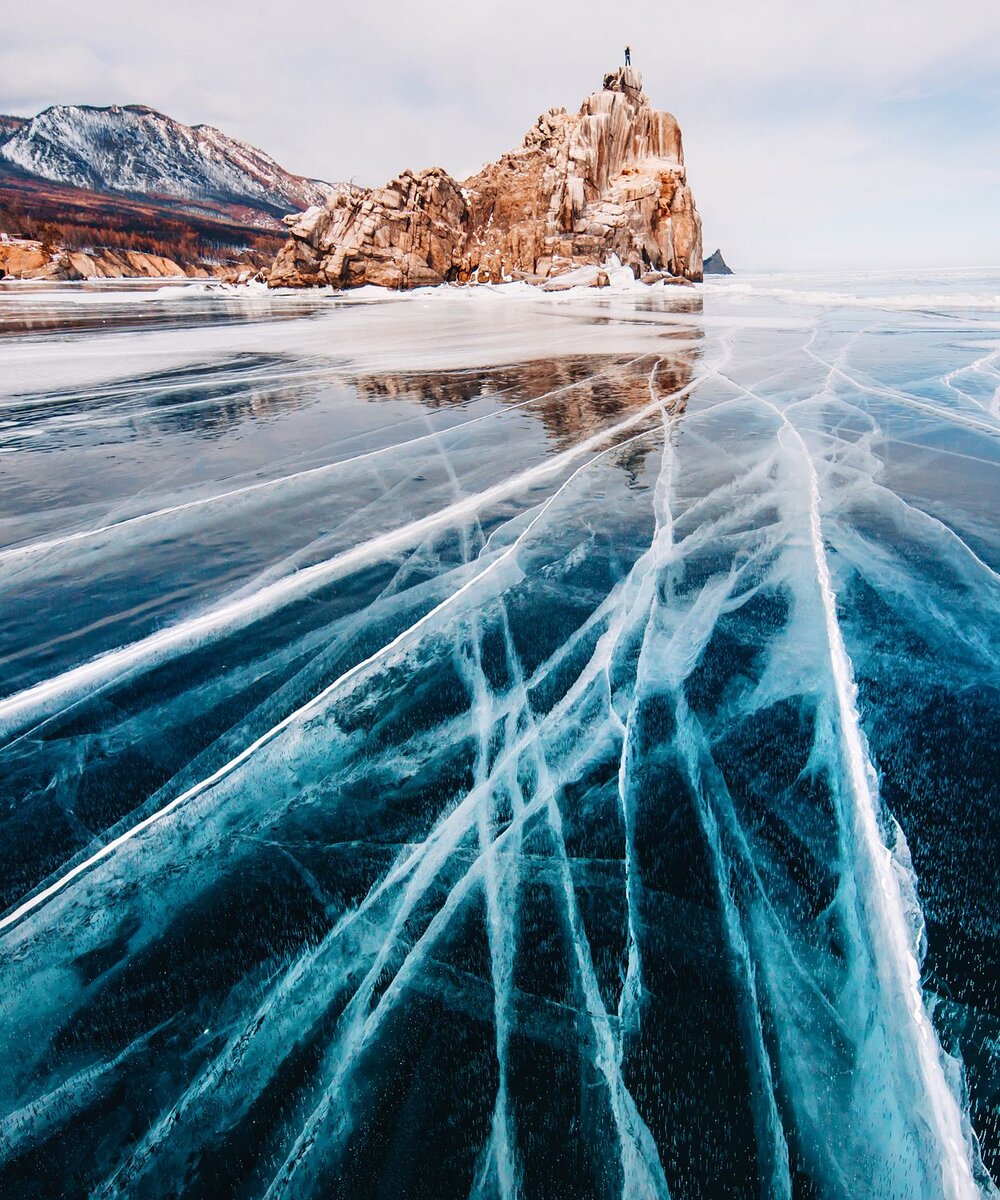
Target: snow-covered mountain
pixel 135 149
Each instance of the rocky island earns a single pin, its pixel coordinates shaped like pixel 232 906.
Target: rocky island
pixel 606 181
pixel 715 264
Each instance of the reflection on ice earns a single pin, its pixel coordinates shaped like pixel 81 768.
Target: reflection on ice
pixel 536 777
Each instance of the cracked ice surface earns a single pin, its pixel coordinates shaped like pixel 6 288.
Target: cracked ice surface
pixel 490 744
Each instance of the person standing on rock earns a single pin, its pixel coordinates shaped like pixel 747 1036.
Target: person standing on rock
pixel 628 56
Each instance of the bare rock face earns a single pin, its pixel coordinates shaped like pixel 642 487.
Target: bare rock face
pixel 402 235
pixel 608 180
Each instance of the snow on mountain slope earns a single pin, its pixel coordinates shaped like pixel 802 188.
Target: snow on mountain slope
pixel 135 149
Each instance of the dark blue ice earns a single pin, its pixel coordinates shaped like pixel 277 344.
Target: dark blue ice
pixel 484 744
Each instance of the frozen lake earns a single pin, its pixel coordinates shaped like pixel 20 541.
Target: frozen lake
pixel 486 743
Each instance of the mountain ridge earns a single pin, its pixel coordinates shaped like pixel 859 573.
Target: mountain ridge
pixel 135 149
pixel 90 189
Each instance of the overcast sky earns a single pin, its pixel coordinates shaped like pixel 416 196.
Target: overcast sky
pixel 817 134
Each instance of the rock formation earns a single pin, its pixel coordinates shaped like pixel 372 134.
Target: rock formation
pixel 608 180
pixel 22 258
pixel 715 264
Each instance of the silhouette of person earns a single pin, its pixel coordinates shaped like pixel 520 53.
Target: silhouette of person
pixel 628 56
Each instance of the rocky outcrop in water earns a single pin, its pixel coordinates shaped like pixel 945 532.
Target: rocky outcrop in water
pixel 715 264
pixel 608 180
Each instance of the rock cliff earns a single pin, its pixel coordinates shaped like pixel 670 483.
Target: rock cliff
pixel 608 180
